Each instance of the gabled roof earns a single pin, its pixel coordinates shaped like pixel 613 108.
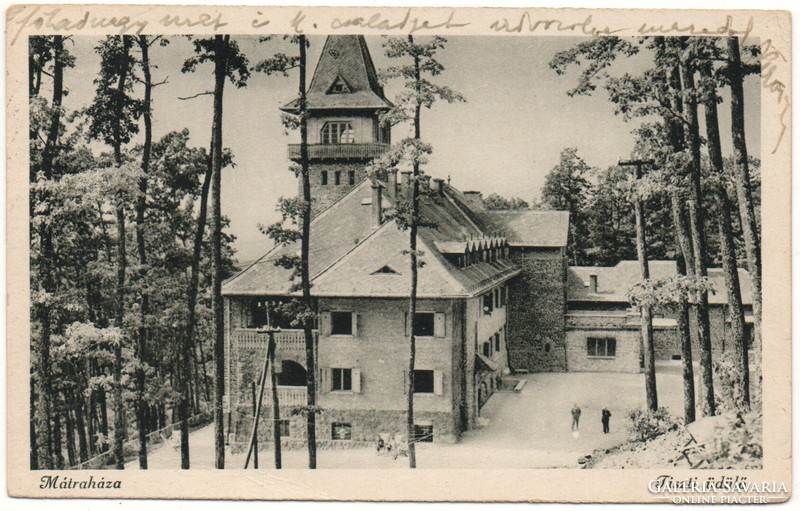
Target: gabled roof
pixel 344 59
pixel 530 228
pixel 614 282
pixel 348 252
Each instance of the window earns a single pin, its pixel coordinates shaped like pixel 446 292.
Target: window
pixel 497 341
pixel 341 431
pixel 324 177
pixel 258 314
pixel 423 382
pixel 351 177
pixel 339 86
pixel 341 323
pixel 602 347
pixel 423 432
pixel 342 379
pixel 487 348
pixel 283 426
pixel 488 303
pixel 424 324
pixel 337 178
pixel 338 133
pixel 503 296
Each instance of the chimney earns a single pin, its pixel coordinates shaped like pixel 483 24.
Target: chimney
pixel 391 184
pixel 405 188
pixel 593 284
pixel 377 204
pixel 437 186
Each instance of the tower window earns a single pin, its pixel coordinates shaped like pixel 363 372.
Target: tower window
pixel 324 177
pixel 337 178
pixel 351 177
pixel 338 133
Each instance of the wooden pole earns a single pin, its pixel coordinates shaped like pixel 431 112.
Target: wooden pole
pixel 647 321
pixel 260 398
pixel 255 414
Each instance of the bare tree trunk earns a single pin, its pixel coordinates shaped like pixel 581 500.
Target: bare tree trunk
pixel 188 339
pixel 34 459
pixel 311 370
pixel 119 405
pixel 276 406
pixel 220 73
pixel 80 424
pixel 70 430
pixel 47 278
pixel 744 196
pixel 58 450
pixel 726 245
pixel 412 300
pixel 698 237
pixel 141 205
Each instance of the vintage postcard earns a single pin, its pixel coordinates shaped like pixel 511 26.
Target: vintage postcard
pixel 399 254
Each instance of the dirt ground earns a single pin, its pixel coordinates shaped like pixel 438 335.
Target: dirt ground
pixel 530 429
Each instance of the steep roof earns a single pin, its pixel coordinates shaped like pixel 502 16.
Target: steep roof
pixel 350 257
pixel 346 63
pixel 613 282
pixel 533 228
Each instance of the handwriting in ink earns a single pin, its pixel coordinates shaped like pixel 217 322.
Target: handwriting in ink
pixel 203 20
pixel 378 21
pixel 53 20
pixel 545 25
pixel 257 22
pixel 725 29
pixel 771 58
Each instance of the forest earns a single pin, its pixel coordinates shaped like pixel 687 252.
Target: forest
pixel 129 246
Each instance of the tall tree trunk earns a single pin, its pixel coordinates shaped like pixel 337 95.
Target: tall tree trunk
pixel 698 235
pixel 141 205
pixel 744 196
pixel 220 72
pixel 44 426
pixel 34 459
pixel 103 402
pixel 276 406
pixel 119 317
pixel 58 450
pixel 188 339
pixel 683 245
pixel 726 245
pixel 80 424
pixel 70 431
pixel 412 299
pixel 647 319
pixel 305 277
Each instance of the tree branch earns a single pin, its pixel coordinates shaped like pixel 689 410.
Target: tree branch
pixel 206 93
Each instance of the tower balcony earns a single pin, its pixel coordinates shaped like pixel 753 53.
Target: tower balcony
pixel 339 151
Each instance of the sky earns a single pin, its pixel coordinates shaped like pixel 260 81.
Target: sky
pixel 503 139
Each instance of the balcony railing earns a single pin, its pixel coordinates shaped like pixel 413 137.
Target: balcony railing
pixel 284 340
pixel 339 151
pixel 289 395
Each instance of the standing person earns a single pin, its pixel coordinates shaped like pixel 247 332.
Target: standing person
pixel 576 416
pixel 606 417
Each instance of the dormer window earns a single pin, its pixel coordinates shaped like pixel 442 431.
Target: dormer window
pixel 339 86
pixel 338 133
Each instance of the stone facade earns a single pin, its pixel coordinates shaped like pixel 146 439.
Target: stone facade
pixel 375 354
pixel 326 194
pixel 537 305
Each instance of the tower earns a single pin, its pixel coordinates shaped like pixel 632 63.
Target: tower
pixel 344 133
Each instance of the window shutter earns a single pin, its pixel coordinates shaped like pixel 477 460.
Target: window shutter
pixel 439 324
pixel 326 375
pixel 325 324
pixel 355 324
pixel 437 383
pixel 356 380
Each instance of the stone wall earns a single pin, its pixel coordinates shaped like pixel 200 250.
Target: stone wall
pixel 325 195
pixel 627 352
pixel 537 305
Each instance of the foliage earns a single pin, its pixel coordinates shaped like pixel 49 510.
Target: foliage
pixel 730 394
pixel 668 291
pixel 644 425
pixel 498 202
pixel 738 444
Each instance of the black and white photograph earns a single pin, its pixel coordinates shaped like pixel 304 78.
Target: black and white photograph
pixel 419 249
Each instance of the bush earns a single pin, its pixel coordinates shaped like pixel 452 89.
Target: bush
pixel 737 444
pixel 644 425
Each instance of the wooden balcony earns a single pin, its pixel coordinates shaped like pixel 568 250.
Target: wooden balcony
pixel 284 340
pixel 339 151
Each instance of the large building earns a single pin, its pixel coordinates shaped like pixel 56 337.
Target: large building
pixel 495 292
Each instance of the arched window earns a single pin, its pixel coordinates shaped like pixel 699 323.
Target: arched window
pixel 338 133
